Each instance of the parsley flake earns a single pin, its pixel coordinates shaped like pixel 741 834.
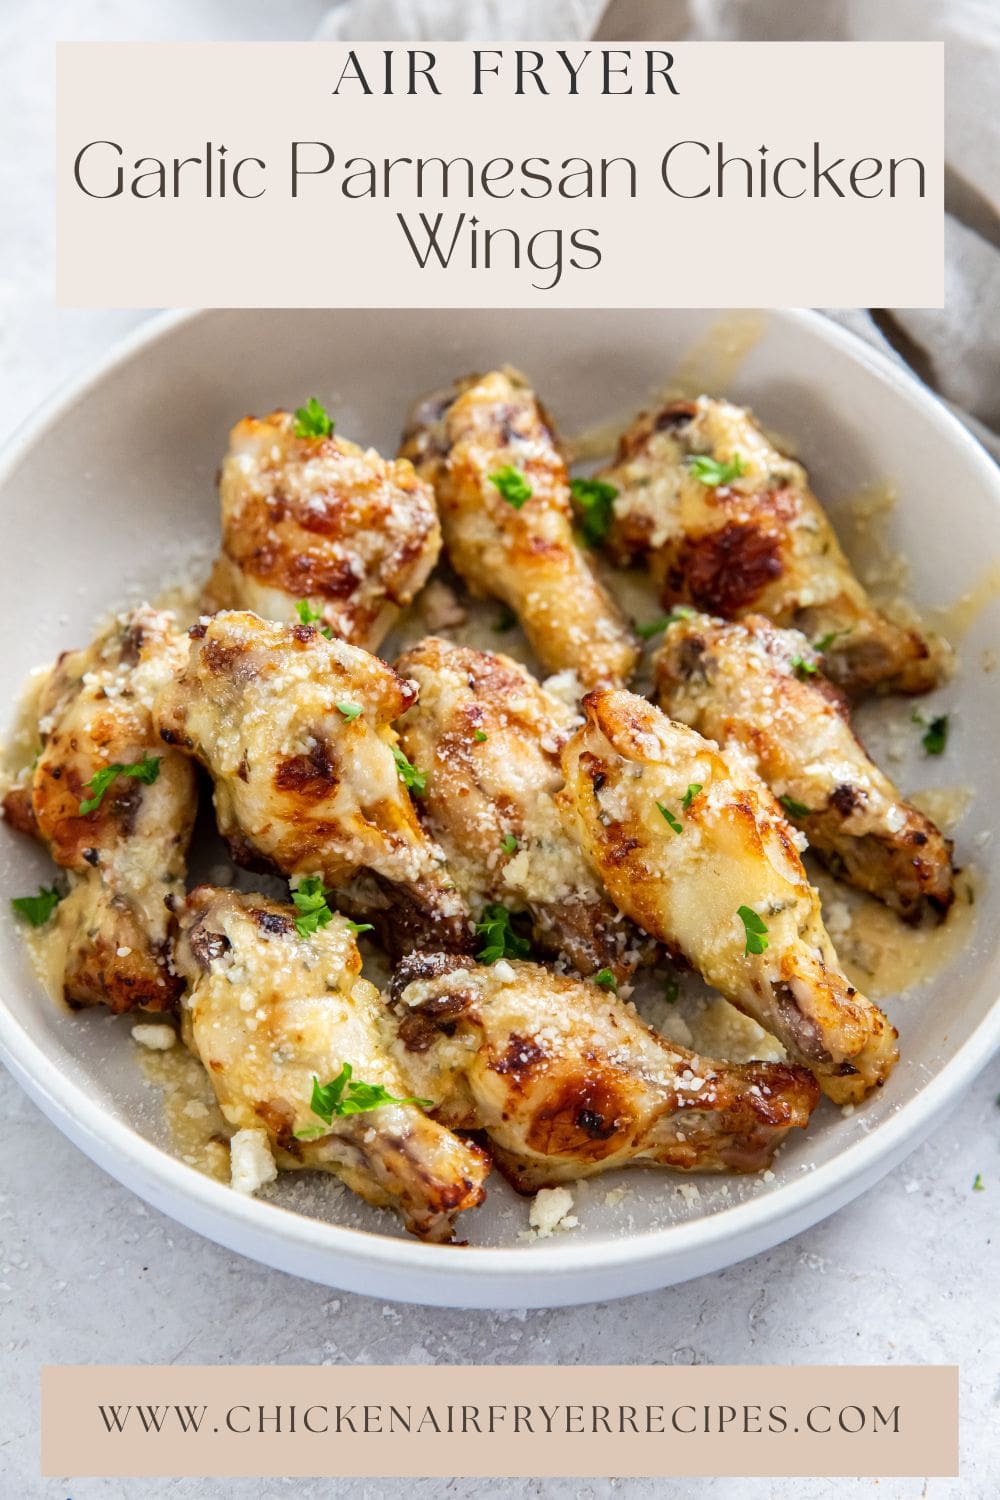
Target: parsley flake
pixel 312 420
pixel 414 780
pixel 715 472
pixel 349 710
pixel 826 641
pixel 145 770
pixel 671 990
pixel 309 616
pixel 756 932
pixel 345 1095
pixel 693 789
pixel 480 737
pixel 309 899
pixel 936 736
pixel 505 621
pixel 37 909
pixel 500 939
pixel 508 844
pixel 679 612
pixel 979 1185
pixel 802 667
pixel 512 485
pixel 595 504
pixel 675 823
pixel 357 927
pixel 607 981
pixel 794 809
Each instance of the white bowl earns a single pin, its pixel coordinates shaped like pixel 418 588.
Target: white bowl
pixel 110 492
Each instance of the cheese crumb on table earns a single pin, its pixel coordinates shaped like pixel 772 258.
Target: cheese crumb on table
pixel 550 1210
pixel 251 1161
pixel 156 1038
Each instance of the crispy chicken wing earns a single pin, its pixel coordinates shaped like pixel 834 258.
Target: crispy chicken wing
pixel 568 1081
pixel 295 731
pixel 697 852
pixel 729 524
pixel 489 735
pixel 514 540
pixel 268 1011
pixel 759 690
pixel 319 518
pixel 127 854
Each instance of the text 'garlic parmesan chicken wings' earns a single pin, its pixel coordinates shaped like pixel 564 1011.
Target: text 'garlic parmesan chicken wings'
pixel 568 1081
pixel 268 1011
pixel 758 691
pixel 503 496
pixel 489 736
pixel 730 525
pixel 696 850
pixel 319 518
pixel 115 809
pixel 295 731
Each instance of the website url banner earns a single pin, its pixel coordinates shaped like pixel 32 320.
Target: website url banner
pixel 499 1421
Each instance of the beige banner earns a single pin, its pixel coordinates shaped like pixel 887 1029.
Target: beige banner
pixel 759 174
pixel 500 1420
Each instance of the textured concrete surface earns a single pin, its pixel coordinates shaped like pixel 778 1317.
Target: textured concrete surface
pixel 89 1274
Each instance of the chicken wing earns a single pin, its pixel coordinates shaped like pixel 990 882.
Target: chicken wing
pixel 320 519
pixel 568 1081
pixel 295 731
pixel 698 853
pixel 730 525
pixel 115 809
pixel 489 736
pixel 503 497
pixel 760 691
pixel 269 1011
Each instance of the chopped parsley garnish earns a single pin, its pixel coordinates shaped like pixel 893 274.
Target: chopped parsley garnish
pixel 414 780
pixel 357 927
pixel 512 485
pixel 349 710
pixel 712 471
pixel 500 939
pixel 693 789
pixel 508 844
pixel 794 809
pixel 935 736
pixel 675 823
pixel 803 668
pixel 312 420
pixel 37 909
pixel 145 770
pixel 679 612
pixel 826 641
pixel 979 1185
pixel 671 990
pixel 345 1095
pixel 309 616
pixel 595 503
pixel 505 621
pixel 480 737
pixel 756 932
pixel 606 979
pixel 309 899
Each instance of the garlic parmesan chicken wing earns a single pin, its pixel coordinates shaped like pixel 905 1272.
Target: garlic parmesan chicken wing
pixel 567 1081
pixel 503 496
pixel 489 737
pixel 268 1012
pixel 698 853
pixel 322 520
pixel 295 732
pixel 758 691
pixel 115 808
pixel 729 524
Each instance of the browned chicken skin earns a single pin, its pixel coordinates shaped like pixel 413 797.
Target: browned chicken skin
pixel 309 1013
pixel 694 848
pixel 521 550
pixel 759 690
pixel 295 732
pixel 127 856
pixel 568 1081
pixel 490 736
pixel 322 520
pixel 756 541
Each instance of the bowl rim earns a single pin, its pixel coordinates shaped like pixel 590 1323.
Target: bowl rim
pixel 157 1175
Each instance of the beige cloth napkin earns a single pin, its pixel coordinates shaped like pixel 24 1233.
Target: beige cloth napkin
pixel 955 350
